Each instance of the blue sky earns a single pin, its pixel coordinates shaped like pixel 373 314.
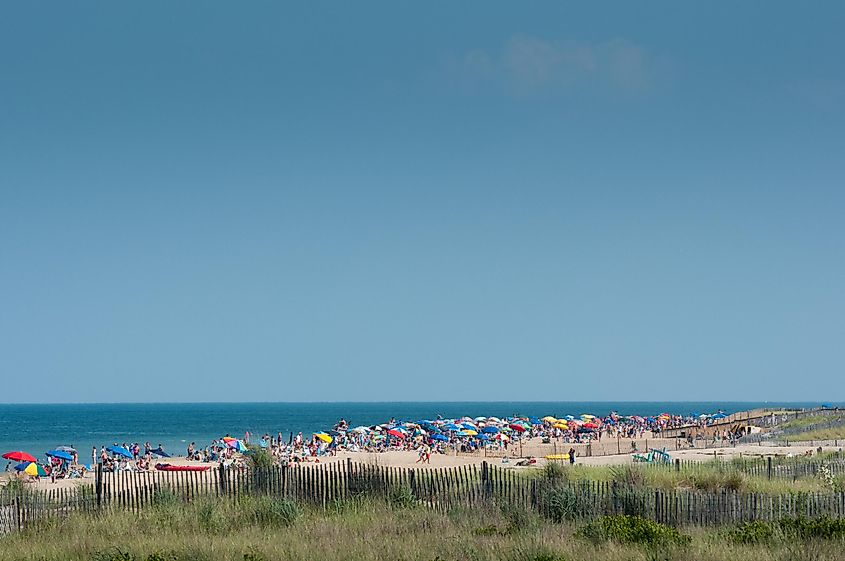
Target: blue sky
pixel 409 201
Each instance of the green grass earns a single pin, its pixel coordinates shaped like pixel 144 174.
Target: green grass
pixel 363 530
pixel 708 476
pixel 802 422
pixel 835 433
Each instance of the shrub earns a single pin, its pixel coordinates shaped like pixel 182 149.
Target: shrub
pixel 824 527
pixel 402 497
pixel 260 458
pixel 752 533
pixel 633 530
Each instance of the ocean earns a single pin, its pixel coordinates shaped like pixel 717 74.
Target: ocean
pixel 37 428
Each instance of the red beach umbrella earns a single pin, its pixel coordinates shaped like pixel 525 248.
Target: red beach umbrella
pixel 19 456
pixel 396 433
pixel 517 428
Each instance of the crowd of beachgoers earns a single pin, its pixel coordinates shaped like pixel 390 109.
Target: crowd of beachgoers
pixel 424 437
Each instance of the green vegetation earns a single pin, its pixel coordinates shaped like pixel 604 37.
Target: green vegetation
pixel 802 422
pixel 834 433
pixel 707 476
pixel 788 530
pixel 264 529
pixel 632 530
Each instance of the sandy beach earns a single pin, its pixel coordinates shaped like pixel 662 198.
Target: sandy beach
pixel 533 448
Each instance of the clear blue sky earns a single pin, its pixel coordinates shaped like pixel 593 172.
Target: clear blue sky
pixel 442 200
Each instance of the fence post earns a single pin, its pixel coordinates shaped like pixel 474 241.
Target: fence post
pixel 99 485
pixel 677 464
pixel 222 480
pixel 769 467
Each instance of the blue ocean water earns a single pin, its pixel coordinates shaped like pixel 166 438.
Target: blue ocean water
pixel 38 428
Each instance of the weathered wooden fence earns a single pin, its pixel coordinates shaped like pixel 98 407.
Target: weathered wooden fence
pixel 324 485
pixel 769 467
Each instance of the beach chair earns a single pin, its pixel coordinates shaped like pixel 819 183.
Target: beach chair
pixel 643 458
pixel 660 455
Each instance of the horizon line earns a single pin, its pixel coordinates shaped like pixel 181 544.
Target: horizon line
pixel 317 402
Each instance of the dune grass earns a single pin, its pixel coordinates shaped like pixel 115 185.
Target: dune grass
pixel 707 476
pixel 820 434
pixel 811 420
pixel 260 530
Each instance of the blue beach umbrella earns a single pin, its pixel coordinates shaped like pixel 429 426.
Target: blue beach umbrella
pixel 490 430
pixel 451 426
pixel 60 454
pixel 120 451
pixel 438 436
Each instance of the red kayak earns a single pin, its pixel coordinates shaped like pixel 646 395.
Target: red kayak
pixel 168 467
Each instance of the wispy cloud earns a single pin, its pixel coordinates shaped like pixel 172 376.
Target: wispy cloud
pixel 528 65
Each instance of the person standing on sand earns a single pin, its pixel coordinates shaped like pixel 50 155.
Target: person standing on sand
pixel 94 456
pixel 572 456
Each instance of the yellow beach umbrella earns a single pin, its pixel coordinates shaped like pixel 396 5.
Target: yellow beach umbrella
pixel 562 426
pixel 35 469
pixel 549 419
pixel 324 437
pixel 470 432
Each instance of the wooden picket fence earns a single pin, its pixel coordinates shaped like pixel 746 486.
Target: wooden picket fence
pixel 771 468
pixel 325 485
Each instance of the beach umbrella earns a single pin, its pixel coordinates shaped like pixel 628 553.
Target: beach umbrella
pixel 494 419
pixel 19 456
pixel 32 468
pixel 590 426
pixel 470 432
pixel 561 426
pixel 440 437
pixel 480 419
pixel 120 450
pixel 502 437
pixel 469 426
pixel 549 419
pixel 68 449
pixel 569 418
pixel 587 417
pixel 323 436
pixel 535 421
pixel 483 436
pixel 451 426
pixel 361 430
pixel 516 427
pixel 490 430
pixel 61 454
pixel 237 445
pixel 396 433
